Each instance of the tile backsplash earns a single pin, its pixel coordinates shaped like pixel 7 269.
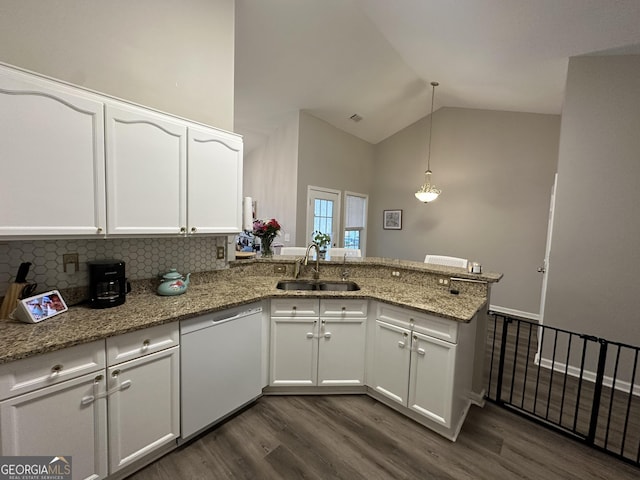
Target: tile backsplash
pixel 144 257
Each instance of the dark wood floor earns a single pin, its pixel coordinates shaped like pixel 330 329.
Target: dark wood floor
pixel 354 437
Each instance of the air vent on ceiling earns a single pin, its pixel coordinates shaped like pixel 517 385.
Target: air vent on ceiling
pixel 355 117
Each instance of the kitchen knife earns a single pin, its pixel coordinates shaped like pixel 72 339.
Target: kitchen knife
pixel 23 270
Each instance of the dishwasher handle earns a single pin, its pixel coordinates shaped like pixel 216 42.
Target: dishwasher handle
pixel 207 322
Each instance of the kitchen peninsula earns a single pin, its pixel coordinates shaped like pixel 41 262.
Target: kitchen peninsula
pixel 411 337
pixel 248 281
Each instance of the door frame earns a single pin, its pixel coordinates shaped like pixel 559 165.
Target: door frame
pixel 337 217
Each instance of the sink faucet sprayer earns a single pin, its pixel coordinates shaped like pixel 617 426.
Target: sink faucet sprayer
pixel 316 271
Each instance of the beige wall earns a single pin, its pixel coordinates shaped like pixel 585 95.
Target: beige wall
pixel 496 170
pixel 176 56
pixel 270 177
pixel 593 271
pixel 331 158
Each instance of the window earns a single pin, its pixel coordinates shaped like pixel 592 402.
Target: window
pixel 323 216
pixel 355 220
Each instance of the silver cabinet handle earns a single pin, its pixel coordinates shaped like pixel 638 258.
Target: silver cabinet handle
pixel 115 373
pixel 327 335
pixel 403 343
pixel 99 230
pixel 420 351
pixel 56 369
pixel 183 229
pixel 145 345
pixel 194 229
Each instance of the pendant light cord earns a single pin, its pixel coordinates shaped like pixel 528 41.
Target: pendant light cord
pixel 433 95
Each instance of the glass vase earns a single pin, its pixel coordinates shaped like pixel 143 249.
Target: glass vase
pixel 265 247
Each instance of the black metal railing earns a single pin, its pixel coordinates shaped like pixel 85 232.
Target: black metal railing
pixel 580 385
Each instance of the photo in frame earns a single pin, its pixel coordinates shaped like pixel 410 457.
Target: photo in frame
pixel 392 219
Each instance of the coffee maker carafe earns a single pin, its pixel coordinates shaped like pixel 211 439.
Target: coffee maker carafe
pixel 107 283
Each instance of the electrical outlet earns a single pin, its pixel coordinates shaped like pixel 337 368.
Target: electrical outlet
pixel 70 259
pixel 443 281
pixel 220 253
pixel 395 273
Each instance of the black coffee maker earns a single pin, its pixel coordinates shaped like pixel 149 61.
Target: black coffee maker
pixel 108 285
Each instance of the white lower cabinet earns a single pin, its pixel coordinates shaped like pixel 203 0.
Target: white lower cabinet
pixel 317 342
pixel 63 410
pixel 71 402
pixel 144 395
pixel 429 374
pixel 391 360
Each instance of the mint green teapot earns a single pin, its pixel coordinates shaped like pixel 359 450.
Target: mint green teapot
pixel 173 283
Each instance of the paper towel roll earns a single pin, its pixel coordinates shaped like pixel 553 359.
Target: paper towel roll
pixel 247 213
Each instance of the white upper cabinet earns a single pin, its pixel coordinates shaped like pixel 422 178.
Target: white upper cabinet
pixel 79 163
pixel 52 157
pixel 146 172
pixel 214 181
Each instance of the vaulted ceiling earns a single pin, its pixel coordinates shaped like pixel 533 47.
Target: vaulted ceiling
pixel 376 58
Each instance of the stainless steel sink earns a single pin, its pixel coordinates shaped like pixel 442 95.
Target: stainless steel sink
pixel 296 285
pixel 341 286
pixel 323 285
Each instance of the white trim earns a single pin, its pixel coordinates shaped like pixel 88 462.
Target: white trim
pixel 590 376
pixel 515 313
pixel 336 235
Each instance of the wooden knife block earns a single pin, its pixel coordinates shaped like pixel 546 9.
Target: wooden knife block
pixel 11 298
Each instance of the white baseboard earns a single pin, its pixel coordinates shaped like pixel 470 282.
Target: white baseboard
pixel 515 313
pixel 590 376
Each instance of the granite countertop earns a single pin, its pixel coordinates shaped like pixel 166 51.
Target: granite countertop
pixel 210 293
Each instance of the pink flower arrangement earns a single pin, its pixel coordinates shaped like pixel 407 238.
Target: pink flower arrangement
pixel 266 230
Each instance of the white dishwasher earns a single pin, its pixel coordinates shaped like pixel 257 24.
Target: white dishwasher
pixel 220 365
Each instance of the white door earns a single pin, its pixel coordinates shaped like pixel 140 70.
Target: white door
pixel 144 406
pixel 69 418
pixel 341 352
pixel 431 378
pixel 294 352
pixel 391 357
pixel 146 172
pixel 214 182
pixel 52 152
pixel 323 213
pixel 545 267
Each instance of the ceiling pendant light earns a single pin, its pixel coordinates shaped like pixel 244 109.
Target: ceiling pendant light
pixel 428 192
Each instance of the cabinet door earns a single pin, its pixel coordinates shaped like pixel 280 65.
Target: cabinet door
pixel 146 172
pixel 69 418
pixel 144 409
pixel 52 151
pixel 391 357
pixel 341 352
pixel 214 182
pixel 294 352
pixel 431 378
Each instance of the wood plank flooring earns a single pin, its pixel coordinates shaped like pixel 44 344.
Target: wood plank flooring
pixel 354 437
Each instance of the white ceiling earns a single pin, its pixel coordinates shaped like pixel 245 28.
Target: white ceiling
pixel 376 58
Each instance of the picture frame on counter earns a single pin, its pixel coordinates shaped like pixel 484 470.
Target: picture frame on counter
pixel 392 219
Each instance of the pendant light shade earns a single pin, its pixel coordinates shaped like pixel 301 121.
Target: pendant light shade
pixel 428 191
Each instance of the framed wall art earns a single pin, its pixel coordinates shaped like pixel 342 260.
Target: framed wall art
pixel 392 219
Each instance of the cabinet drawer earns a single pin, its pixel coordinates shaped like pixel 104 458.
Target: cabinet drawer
pixel 32 373
pixel 142 342
pixel 343 308
pixel 295 307
pixel 424 323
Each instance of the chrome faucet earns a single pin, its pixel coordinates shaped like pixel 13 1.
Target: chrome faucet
pixel 345 272
pixel 316 271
